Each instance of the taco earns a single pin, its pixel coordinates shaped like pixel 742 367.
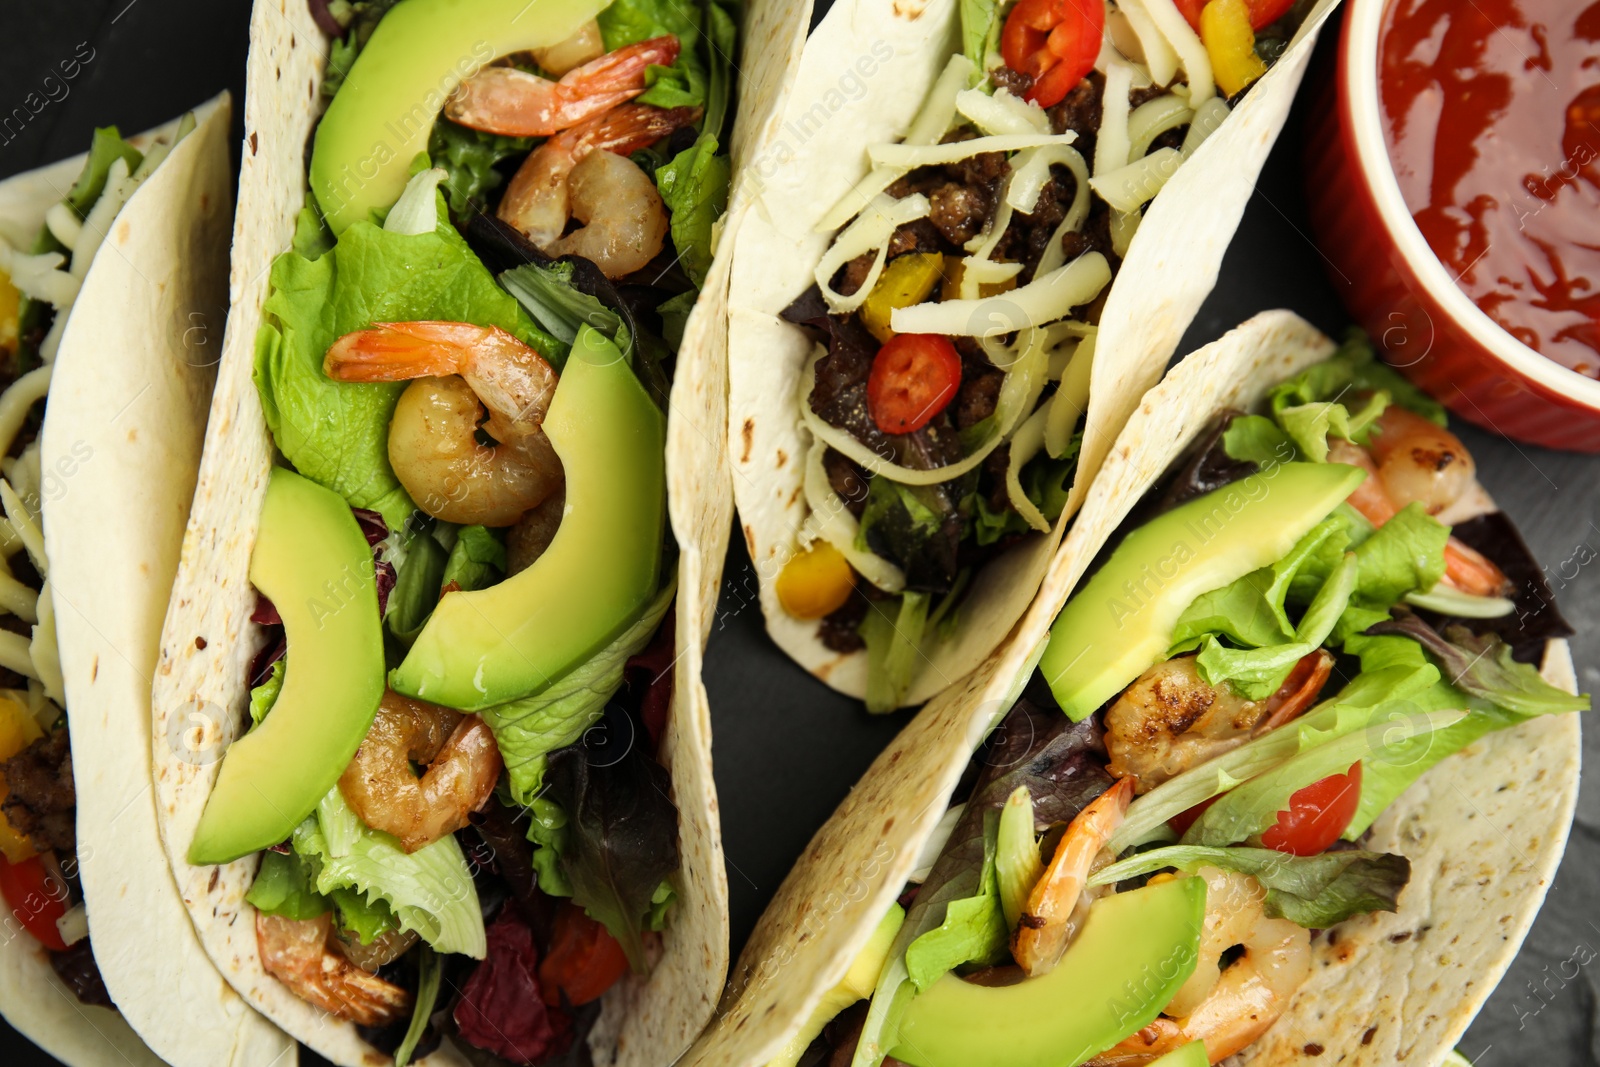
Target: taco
pixel 110 277
pixel 975 239
pixel 450 568
pixel 1224 814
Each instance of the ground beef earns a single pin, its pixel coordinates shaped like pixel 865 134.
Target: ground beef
pixel 960 211
pixel 923 180
pixel 1145 95
pixel 1013 81
pixel 853 275
pixel 840 393
pixel 847 479
pixel 1079 111
pixel 974 170
pixel 77 969
pixel 980 385
pixel 919 235
pixel 992 478
pixel 838 631
pixel 41 801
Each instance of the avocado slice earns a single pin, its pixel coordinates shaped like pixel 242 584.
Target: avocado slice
pixel 1133 953
pixel 857 984
pixel 510 640
pixel 383 114
pixel 312 561
pixel 1122 620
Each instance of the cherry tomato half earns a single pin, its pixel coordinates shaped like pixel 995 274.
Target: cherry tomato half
pixel 1317 815
pixel 1263 13
pixel 1055 42
pixel 584 959
pixel 36 899
pixel 1181 822
pixel 914 377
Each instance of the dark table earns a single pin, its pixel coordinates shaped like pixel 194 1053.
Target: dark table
pixel 787 747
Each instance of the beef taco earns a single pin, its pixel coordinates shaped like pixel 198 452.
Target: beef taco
pixel 111 268
pixel 1212 799
pixel 450 568
pixel 976 238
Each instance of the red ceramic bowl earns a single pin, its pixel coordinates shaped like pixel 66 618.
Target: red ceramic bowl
pixel 1395 286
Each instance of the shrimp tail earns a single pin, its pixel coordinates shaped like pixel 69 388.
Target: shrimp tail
pixel 515 103
pixel 400 351
pixel 628 128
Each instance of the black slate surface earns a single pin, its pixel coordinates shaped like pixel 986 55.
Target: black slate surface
pixel 788 748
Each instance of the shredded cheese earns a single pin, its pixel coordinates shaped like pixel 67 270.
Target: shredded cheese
pixel 909 156
pixel 63 224
pixel 1132 186
pixel 43 651
pixel 1043 300
pixel 832 521
pixel 1111 140
pixel 1028 176
pixel 1153 118
pixel 1159 56
pixel 18 400
pixel 22 522
pixel 1002 113
pixel 1071 400
pixel 1054 254
pixel 1186 43
pixel 1024 446
pixel 14 654
pixel 872 230
pixel 1207 117
pixel 938 111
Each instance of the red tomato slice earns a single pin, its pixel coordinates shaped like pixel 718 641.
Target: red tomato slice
pixel 36 899
pixel 584 959
pixel 1317 815
pixel 913 378
pixel 1263 13
pixel 1181 822
pixel 1053 41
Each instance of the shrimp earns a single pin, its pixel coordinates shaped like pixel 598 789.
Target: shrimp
pixel 528 539
pixel 1414 460
pixel 586 43
pixel 384 949
pixel 434 448
pixel 537 201
pixel 625 222
pixel 296 953
pixel 1170 719
pixel 463 765
pixel 1045 926
pixel 1226 1008
pixel 515 103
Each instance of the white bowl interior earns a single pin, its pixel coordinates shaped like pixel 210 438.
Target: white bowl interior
pixel 1364 19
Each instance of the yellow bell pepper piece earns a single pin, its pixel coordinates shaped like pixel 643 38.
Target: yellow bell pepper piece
pixel 906 280
pixel 10 314
pixel 815 582
pixel 1231 44
pixel 18 730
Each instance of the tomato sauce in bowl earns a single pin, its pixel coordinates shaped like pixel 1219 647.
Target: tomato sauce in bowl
pixel 1491 115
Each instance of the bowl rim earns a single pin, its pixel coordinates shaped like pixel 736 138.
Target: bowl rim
pixel 1359 88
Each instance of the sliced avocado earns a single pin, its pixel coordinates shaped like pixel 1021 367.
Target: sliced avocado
pixel 1191 1055
pixel 382 115
pixel 1133 953
pixel 1122 620
pixel 510 640
pixel 857 984
pixel 312 561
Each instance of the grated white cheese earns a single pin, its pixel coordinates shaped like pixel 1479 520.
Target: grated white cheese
pixel 1002 113
pixel 1186 43
pixel 910 156
pixel 1132 186
pixel 1159 56
pixel 871 230
pixel 1111 140
pixel 1071 400
pixel 1207 117
pixel 831 521
pixel 1025 445
pixel 1043 300
pixel 1155 117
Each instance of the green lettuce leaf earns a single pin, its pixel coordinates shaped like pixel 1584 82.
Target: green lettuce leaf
pixel 893 632
pixel 694 187
pixel 528 730
pixel 471 158
pixel 687 81
pixel 416 588
pixel 105 149
pixel 1310 425
pixel 429 891
pixel 1353 370
pixel 547 293
pixel 547 829
pixel 1314 891
pixel 1257 439
pixel 1404 555
pixel 674 312
pixel 359 18
pixel 973 929
pixel 367 920
pixel 430 974
pixel 283 886
pixel 1485 667
pixel 263 696
pixel 337 433
pixel 980 30
pixel 477 559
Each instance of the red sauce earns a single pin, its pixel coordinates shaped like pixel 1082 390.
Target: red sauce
pixel 1491 111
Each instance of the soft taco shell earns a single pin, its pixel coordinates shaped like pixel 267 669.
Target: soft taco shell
pixel 857 864
pixel 645 1021
pixel 861 79
pixel 119 450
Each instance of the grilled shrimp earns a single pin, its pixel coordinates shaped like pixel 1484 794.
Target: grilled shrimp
pixel 586 43
pixel 463 764
pixel 540 199
pixel 460 371
pixel 515 103
pixel 1170 719
pixel 528 539
pixel 1414 460
pixel 296 952
pixel 1047 921
pixel 1227 1008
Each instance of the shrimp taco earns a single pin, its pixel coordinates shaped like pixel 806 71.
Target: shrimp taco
pixel 443 789
pixel 110 276
pixel 969 255
pixel 1213 800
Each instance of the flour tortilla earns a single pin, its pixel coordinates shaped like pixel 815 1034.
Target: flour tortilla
pixel 119 448
pixel 644 1022
pixel 860 80
pixel 1477 882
